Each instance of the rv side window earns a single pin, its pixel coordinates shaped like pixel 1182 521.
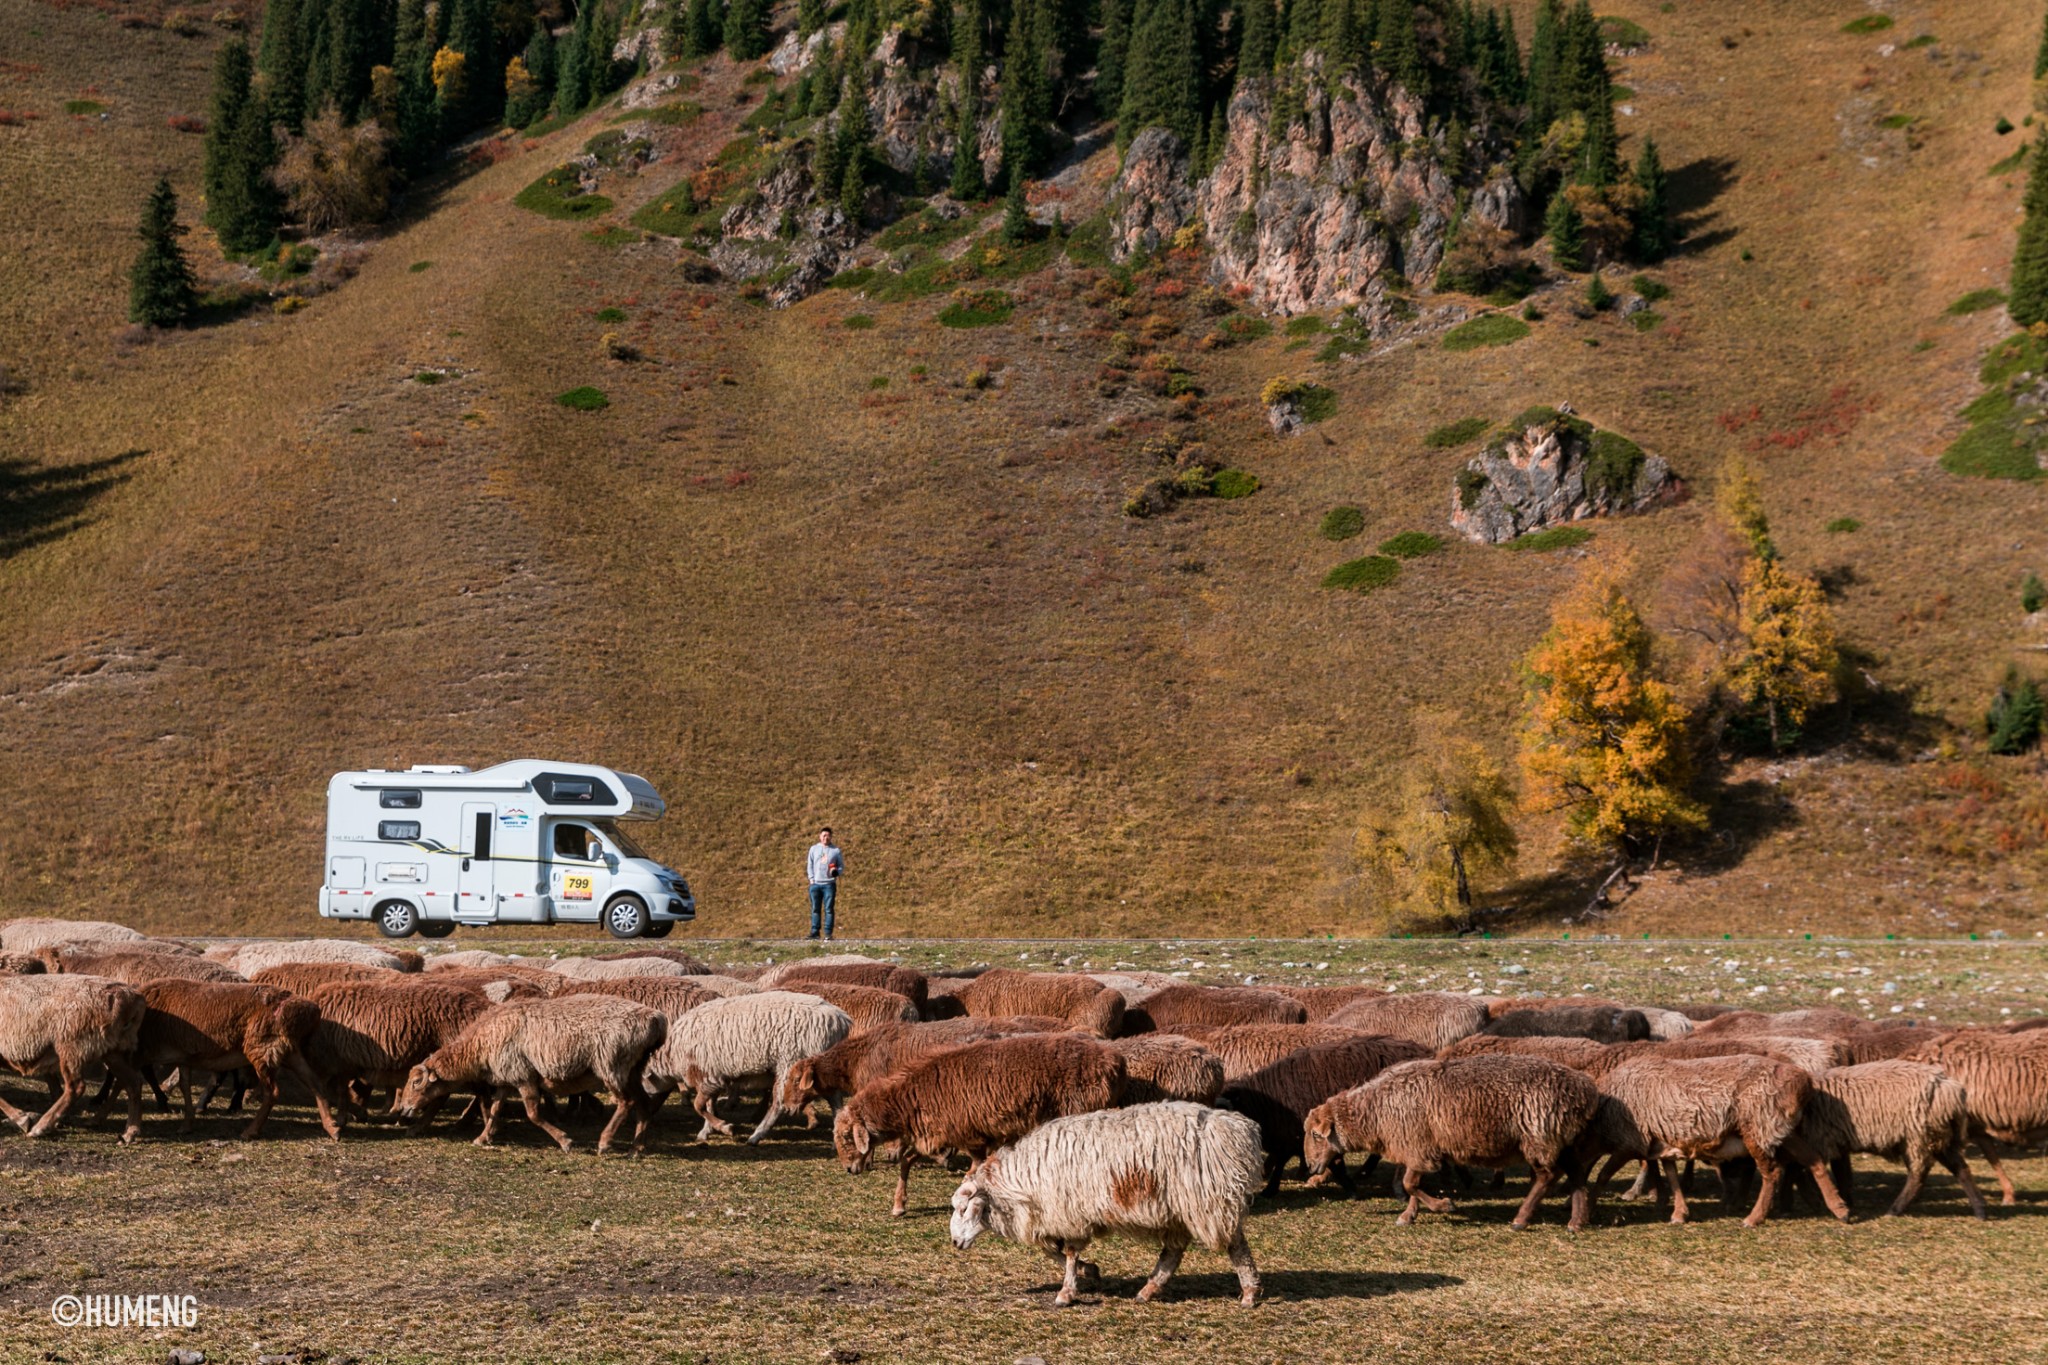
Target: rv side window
pixel 405 831
pixel 572 841
pixel 563 789
pixel 398 799
pixel 483 835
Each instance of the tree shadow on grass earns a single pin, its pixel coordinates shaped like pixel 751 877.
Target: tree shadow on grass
pixel 1692 190
pixel 40 503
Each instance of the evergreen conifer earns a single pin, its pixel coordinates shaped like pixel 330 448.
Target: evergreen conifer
pixel 160 290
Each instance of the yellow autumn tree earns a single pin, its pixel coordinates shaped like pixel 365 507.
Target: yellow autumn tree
pixel 1449 826
pixel 1605 741
pixel 1788 660
pixel 451 76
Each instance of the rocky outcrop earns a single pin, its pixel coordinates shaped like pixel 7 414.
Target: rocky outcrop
pixel 905 105
pixel 1324 210
pixel 1548 467
pixel 1152 198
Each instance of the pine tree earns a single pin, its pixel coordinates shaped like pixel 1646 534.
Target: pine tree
pixel 1543 68
pixel 863 28
pixel 2028 291
pixel 606 75
pixel 856 125
pixel 232 70
pixel 853 190
pixel 1112 53
pixel 967 180
pixel 2014 720
pixel 1653 212
pixel 281 60
pixel 573 83
pixel 1343 45
pixel 746 29
pixel 828 165
pixel 1163 79
pixel 419 115
pixel 411 34
pixel 246 214
pixel 473 33
pixel 707 28
pixel 1017 225
pixel 1605 740
pixel 810 16
pixel 1567 232
pixel 160 290
pixel 1026 87
pixel 1399 52
pixel 2041 53
pixel 1256 45
pixel 1216 143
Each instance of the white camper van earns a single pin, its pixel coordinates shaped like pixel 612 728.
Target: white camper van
pixel 526 842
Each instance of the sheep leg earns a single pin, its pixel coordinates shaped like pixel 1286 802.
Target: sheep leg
pixel 1642 1184
pixel 492 1108
pixel 1411 1182
pixel 297 1065
pixel 1960 1168
pixel 620 1108
pixel 131 1081
pixel 266 1085
pixel 20 1118
pixel 530 1096
pixel 1500 1179
pixel 73 1077
pixel 1240 1254
pixel 1799 1151
pixel 1678 1206
pixel 705 1099
pixel 768 1115
pixel 1539 1182
pixel 1845 1177
pixel 1068 1287
pixel 2008 1194
pixel 185 1094
pixel 903 1164
pixel 1169 1261
pixel 1607 1170
pixel 1767 1170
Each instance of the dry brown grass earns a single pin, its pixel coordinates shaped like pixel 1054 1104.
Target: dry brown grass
pixel 915 612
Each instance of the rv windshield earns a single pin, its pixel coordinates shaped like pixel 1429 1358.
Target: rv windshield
pixel 621 841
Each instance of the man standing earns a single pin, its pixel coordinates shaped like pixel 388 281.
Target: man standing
pixel 824 865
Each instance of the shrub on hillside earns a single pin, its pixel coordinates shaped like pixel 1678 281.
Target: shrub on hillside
pixel 2033 593
pixel 1342 523
pixel 1489 329
pixel 1363 575
pixel 1456 433
pixel 1411 545
pixel 335 175
pixel 2013 724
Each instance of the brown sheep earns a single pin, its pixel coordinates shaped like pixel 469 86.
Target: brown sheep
pixel 569 1045
pixel 974 1099
pixel 861 1059
pixel 1244 1048
pixel 1184 1004
pixel 1909 1112
pixel 1887 1044
pixel 1500 1005
pixel 1600 1023
pixel 223 1026
pixel 2039 1021
pixel 1086 1005
pixel 671 996
pixel 2005 1079
pixel 1710 1109
pixel 376 1032
pixel 1580 1054
pixel 134 968
pixel 303 978
pixel 20 964
pixel 797 976
pixel 867 1006
pixel 1485 1110
pixel 496 985
pixel 63 1027
pixel 1435 1019
pixel 1279 1096
pixel 1808 1023
pixel 1166 1066
pixel 1699 1014
pixel 1323 1001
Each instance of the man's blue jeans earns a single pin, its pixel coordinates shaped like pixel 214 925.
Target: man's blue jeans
pixel 822 896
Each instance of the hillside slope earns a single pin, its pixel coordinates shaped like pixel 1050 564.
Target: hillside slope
pixel 788 591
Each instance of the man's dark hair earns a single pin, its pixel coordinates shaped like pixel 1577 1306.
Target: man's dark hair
pixel 824 829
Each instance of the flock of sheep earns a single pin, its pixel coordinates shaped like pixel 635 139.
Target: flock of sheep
pixel 1085 1104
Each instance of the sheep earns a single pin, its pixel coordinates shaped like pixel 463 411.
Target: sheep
pixel 303 978
pixel 1580 1054
pixel 1664 1024
pixel 671 996
pixel 867 1006
pixel 131 967
pixel 1707 1108
pixel 64 1026
pixel 724 986
pixel 1084 1004
pixel 599 969
pixel 1244 1048
pixel 942 996
pixel 505 983
pixel 1182 1004
pixel 1171 1173
pixel 973 1099
pixel 226 1026
pixel 250 958
pixel 20 964
pixel 730 1039
pixel 1600 1023
pixel 472 957
pixel 875 975
pixel 1908 1112
pixel 2005 1080
pixel 1135 986
pixel 2039 1021
pixel 1808 1023
pixel 1885 1044
pixel 1278 1097
pixel 555 1046
pixel 376 1032
pixel 1166 1066
pixel 691 965
pixel 1435 1019
pixel 860 1059
pixel 1323 1001
pixel 1486 1110
pixel 1506 1004
pixel 1699 1014
pixel 28 934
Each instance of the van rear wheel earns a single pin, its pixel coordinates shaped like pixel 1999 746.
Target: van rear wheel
pixel 626 917
pixel 397 919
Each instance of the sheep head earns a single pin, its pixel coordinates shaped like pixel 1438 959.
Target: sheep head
pixel 1320 1143
pixel 852 1141
pixel 970 1213
pixel 425 1088
pixel 800 1087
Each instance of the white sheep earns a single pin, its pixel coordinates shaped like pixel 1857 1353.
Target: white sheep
pixel 596 969
pixel 29 934
pixel 251 958
pixel 1173 1173
pixel 762 1034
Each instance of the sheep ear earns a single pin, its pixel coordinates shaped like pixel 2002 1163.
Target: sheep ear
pixel 860 1138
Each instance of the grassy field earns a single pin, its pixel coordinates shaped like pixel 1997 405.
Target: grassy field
pixel 384 1249
pixel 790 595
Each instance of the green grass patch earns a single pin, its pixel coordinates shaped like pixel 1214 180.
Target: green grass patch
pixel 692 207
pixel 1088 243
pixel 1653 290
pixel 2017 354
pixel 553 123
pixel 1341 523
pixel 428 377
pixel 1461 432
pixel 1307 325
pixel 980 308
pixel 928 229
pixel 611 315
pixel 83 107
pixel 1363 575
pixel 584 399
pixel 1411 545
pixel 1912 44
pixel 1842 526
pixel 1646 320
pixel 558 195
pixel 858 322
pixel 611 234
pixel 1976 301
pixel 1869 23
pixel 2006 165
pixel 1613 463
pixel 1897 121
pixel 1233 483
pixel 880 381
pixel 1490 329
pixel 857 278
pixel 417 266
pixel 986 260
pixel 1245 327
pixel 1618 94
pixel 1616 31
pixel 1345 344
pixel 1555 538
pixel 1317 403
pixel 681 114
pixel 1998 443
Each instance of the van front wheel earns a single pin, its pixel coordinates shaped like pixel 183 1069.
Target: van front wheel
pixel 397 919
pixel 626 917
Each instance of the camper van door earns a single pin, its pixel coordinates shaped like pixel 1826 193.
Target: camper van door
pixel 476 897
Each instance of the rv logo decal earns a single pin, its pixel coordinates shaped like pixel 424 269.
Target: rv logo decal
pixel 514 819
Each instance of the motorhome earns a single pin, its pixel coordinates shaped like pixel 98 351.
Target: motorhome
pixel 526 842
